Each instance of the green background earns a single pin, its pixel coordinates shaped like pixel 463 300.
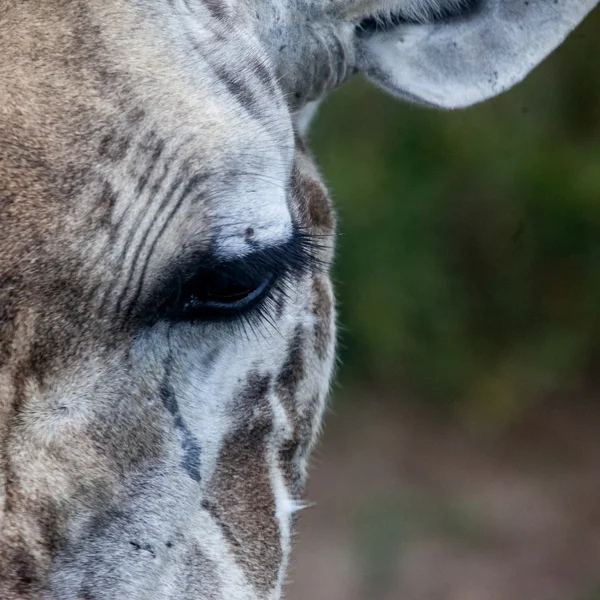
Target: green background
pixel 468 264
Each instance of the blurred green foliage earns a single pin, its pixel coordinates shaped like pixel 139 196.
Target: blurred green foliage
pixel 468 261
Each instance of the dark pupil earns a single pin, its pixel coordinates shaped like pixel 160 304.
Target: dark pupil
pixel 221 287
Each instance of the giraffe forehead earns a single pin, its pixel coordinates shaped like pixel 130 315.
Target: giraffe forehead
pixel 217 105
pixel 172 197
pixel 188 139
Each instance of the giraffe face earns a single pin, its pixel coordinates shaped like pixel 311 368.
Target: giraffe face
pixel 166 314
pixel 167 320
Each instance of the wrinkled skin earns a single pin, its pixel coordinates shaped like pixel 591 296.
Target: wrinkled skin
pixel 146 451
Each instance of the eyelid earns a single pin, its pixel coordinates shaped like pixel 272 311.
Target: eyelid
pixel 275 263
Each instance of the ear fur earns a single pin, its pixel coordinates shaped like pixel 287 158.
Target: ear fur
pixel 460 61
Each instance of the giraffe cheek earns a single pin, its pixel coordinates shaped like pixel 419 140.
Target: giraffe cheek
pixel 240 494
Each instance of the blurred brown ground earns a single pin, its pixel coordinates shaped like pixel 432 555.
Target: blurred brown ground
pixel 410 506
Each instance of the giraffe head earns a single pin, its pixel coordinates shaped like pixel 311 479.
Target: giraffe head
pixel 166 315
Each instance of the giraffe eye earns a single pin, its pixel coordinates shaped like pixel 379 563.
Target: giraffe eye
pixel 210 287
pixel 224 290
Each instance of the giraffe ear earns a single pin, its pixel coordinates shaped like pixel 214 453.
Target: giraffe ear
pixel 461 60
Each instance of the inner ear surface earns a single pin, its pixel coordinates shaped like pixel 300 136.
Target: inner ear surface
pixel 461 59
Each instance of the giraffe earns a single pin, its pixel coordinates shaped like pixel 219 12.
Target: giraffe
pixel 167 324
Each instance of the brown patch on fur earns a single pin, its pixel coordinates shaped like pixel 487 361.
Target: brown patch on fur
pixel 288 380
pixel 288 463
pixel 9 298
pixel 105 206
pixel 306 425
pixel 136 115
pixel 316 208
pixel 19 569
pixel 130 436
pixel 300 144
pixel 201 576
pixel 217 9
pixel 51 520
pixel 263 73
pixel 240 491
pixel 113 146
pixel 319 208
pixel 321 308
pixel 24 561
pixel 292 372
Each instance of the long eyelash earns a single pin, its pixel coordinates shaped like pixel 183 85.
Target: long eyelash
pixel 302 261
pixel 251 324
pixel 299 260
pixel 296 258
pixel 261 314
